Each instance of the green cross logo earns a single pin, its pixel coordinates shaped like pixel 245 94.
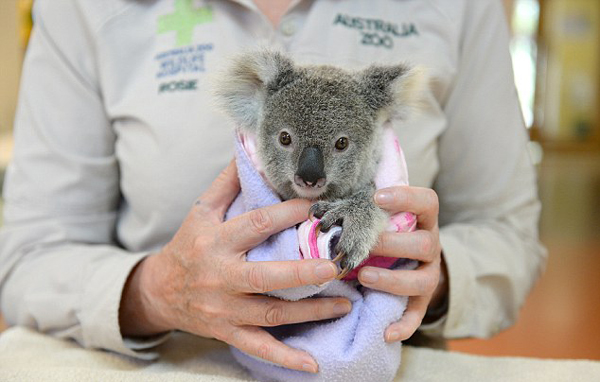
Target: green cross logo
pixel 184 20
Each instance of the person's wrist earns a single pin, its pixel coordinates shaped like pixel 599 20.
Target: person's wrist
pixel 138 313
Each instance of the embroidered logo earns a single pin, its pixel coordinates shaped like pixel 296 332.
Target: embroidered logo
pixel 184 61
pixel 183 21
pixel 376 32
pixel 174 86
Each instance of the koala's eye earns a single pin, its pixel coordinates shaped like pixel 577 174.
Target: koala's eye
pixel 341 144
pixel 285 138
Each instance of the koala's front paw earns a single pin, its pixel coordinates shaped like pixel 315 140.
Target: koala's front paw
pixel 330 213
pixel 354 245
pixel 359 231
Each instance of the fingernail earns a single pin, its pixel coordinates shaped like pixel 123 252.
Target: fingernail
pixel 393 336
pixel 369 276
pixel 310 367
pixel 325 271
pixel 341 308
pixel 383 197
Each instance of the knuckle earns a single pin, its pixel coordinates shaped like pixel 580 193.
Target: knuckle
pixel 260 221
pixel 264 351
pixel 211 313
pixel 206 240
pixel 231 335
pixel 256 280
pixel 426 246
pixel 202 209
pixel 221 334
pixel 395 280
pixel 433 200
pixel 228 278
pixel 200 244
pixel 301 209
pixel 320 312
pixel 402 196
pixel 235 321
pixel 274 315
pixel 385 241
pixel 428 285
pixel 297 275
pixel 422 285
pixel 200 203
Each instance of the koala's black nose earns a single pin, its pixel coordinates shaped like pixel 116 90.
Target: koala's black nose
pixel 311 170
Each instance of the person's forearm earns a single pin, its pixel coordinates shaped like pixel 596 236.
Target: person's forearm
pixel 70 290
pixel 492 291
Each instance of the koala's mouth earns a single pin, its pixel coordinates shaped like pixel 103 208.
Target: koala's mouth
pixel 309 191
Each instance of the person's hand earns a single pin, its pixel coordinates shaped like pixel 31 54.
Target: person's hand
pixel 424 284
pixel 201 283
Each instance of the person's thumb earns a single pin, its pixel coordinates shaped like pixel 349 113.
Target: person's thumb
pixel 222 191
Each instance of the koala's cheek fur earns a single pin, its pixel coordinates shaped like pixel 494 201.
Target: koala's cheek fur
pixel 352 170
pixel 278 166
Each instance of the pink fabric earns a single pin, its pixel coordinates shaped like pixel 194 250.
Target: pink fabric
pixel 312 240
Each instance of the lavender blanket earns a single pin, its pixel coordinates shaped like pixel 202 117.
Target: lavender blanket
pixel 349 348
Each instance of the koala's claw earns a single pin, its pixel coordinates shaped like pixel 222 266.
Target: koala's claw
pixel 344 273
pixel 324 225
pixel 317 210
pixel 318 229
pixel 355 242
pixel 318 214
pixel 339 256
pixel 321 228
pixel 345 269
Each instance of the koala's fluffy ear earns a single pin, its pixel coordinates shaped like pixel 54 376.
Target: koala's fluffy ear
pixel 393 91
pixel 241 90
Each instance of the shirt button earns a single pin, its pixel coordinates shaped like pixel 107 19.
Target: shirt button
pixel 288 28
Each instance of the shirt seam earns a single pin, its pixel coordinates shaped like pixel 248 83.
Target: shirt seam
pixel 111 17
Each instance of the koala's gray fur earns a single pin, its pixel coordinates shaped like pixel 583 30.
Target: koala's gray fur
pixel 268 95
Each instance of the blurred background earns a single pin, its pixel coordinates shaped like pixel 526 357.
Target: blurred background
pixel 556 57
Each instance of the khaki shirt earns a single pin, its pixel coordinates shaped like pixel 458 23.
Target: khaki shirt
pixel 116 137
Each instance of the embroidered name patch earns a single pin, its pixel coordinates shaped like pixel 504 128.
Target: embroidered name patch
pixel 182 60
pixel 376 32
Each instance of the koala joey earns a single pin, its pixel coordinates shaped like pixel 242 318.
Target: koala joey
pixel 318 134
